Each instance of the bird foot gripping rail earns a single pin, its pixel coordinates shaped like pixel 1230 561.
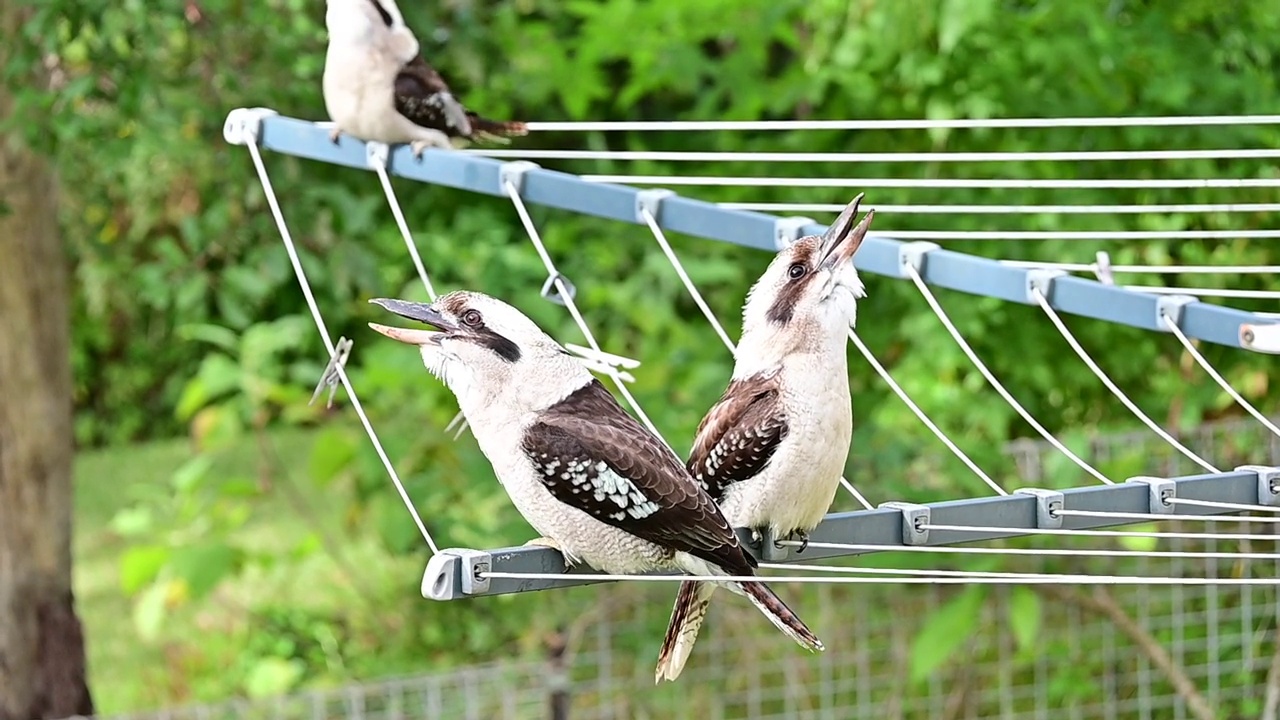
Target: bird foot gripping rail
pixel 458 573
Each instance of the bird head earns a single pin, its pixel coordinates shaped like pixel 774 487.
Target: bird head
pixel 356 20
pixel 808 294
pixel 487 351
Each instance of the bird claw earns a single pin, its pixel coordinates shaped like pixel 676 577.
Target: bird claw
pixel 802 536
pixel 420 146
pixel 335 135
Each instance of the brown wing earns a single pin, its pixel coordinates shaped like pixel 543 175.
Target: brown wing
pixel 423 96
pixel 739 435
pixel 593 456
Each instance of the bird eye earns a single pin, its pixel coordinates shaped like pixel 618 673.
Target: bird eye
pixel 471 318
pixel 797 271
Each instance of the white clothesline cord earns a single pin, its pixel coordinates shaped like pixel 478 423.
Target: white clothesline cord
pixel 920 414
pixel 966 550
pixel 379 162
pixel 941 573
pixel 936 183
pixel 698 300
pixel 1152 516
pixel 996 384
pixel 1014 579
pixel 380 167
pixel 874 157
pixel 904 123
pixel 1115 390
pixel 689 285
pixel 252 143
pixel 1217 377
pixel 532 231
pixel 1223 505
pixel 1196 208
pixel 1105 533
pixel 1081 234
pixel 1154 269
pixel 1206 292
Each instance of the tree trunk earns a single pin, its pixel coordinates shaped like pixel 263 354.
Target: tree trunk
pixel 42 660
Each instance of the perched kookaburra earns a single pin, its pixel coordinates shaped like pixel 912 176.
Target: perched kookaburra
pixel 772 450
pixel 378 88
pixel 596 484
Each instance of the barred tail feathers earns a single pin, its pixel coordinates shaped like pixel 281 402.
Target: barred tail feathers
pixel 780 615
pixel 687 615
pixel 495 130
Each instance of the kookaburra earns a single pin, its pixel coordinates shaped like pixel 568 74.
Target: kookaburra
pixel 596 484
pixel 378 88
pixel 772 450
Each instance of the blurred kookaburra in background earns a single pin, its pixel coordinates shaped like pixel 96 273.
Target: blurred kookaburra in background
pixel 772 450
pixel 592 480
pixel 378 88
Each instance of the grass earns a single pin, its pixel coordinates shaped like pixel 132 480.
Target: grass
pixel 200 652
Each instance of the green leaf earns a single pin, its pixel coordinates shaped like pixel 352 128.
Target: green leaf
pixel 945 631
pixel 221 337
pixel 132 521
pixel 191 473
pixel 150 610
pixel 331 454
pixel 202 567
pixel 272 676
pixel 217 376
pixel 1024 616
pixel 140 565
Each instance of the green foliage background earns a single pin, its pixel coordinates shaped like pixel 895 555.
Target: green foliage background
pixel 188 322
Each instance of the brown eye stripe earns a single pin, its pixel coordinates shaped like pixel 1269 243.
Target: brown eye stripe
pixel 784 305
pixel 481 334
pixel 386 16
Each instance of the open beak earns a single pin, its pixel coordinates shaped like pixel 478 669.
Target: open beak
pixel 840 241
pixel 421 312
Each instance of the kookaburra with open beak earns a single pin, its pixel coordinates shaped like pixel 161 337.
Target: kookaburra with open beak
pixel 772 450
pixel 595 483
pixel 378 88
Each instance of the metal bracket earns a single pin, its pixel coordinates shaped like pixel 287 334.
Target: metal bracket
pixel 376 154
pixel 513 172
pixel 786 230
pixel 915 518
pixel 651 200
pixel 438 578
pixel 770 550
pixel 1260 338
pixel 552 294
pixel 1268 483
pixel 243 124
pixel 1049 506
pixel 1162 491
pixel 474 564
pixel 1041 279
pixel 1170 306
pixel 912 255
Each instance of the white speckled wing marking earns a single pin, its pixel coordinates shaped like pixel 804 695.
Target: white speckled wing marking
pixel 592 455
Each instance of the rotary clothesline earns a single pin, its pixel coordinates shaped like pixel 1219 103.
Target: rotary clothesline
pixel 648 208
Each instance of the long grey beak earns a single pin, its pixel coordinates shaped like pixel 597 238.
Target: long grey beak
pixel 420 312
pixel 840 241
